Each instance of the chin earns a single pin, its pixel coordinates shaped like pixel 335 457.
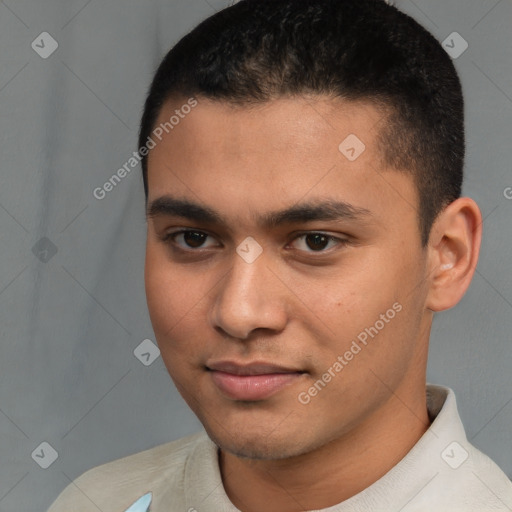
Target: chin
pixel 261 445
pixel 257 449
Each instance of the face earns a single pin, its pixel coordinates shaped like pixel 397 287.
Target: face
pixel 286 287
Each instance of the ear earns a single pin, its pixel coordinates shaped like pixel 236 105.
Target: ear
pixel 453 250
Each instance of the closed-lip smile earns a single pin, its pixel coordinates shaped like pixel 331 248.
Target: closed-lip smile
pixel 255 368
pixel 253 381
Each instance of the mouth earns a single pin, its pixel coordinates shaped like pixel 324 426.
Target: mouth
pixel 251 382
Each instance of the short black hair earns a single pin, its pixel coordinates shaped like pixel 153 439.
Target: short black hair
pixel 259 50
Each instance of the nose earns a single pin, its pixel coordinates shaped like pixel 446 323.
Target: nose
pixel 250 296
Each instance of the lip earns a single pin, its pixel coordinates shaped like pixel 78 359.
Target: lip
pixel 251 382
pixel 254 368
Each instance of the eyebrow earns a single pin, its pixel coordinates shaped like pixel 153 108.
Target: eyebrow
pixel 315 210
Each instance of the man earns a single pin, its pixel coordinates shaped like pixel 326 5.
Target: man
pixel 302 167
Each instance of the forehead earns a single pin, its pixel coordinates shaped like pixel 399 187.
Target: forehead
pixel 298 124
pixel 274 154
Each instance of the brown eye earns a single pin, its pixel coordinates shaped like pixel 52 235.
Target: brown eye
pixel 191 239
pixel 194 238
pixel 318 242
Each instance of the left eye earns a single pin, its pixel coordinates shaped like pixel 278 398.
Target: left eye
pixel 317 241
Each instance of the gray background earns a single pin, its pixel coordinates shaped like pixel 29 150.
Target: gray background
pixel 71 320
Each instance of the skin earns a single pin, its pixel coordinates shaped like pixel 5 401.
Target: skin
pixel 299 304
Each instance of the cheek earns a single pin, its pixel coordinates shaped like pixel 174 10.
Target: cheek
pixel 369 288
pixel 167 298
pixel 176 299
pixel 158 296
pixel 376 286
pixel 168 309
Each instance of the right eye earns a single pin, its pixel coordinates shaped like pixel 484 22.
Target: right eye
pixel 192 238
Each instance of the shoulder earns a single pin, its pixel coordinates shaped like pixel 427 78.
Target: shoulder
pixel 470 482
pixel 117 484
pixel 458 476
pixel 482 484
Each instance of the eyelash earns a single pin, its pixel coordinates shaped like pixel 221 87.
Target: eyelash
pixel 169 238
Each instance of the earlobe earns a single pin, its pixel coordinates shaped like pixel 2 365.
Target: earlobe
pixel 453 253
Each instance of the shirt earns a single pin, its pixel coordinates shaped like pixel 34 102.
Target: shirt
pixel 443 472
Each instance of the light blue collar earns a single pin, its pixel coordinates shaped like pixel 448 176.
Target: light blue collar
pixel 142 504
